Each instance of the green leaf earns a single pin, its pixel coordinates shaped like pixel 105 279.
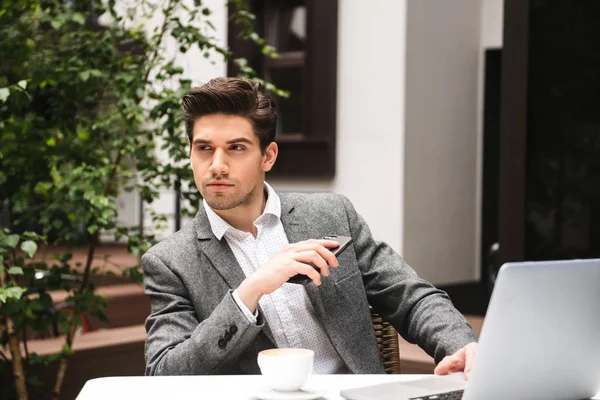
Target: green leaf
pixel 84 75
pixel 29 247
pixel 51 142
pixel 4 93
pixel 83 134
pixel 79 18
pixel 15 270
pixel 92 229
pixel 22 84
pixel 66 349
pixel 11 241
pixel 56 24
pixel 14 292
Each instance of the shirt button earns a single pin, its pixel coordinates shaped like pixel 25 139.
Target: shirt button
pixel 227 335
pixel 222 343
pixel 233 329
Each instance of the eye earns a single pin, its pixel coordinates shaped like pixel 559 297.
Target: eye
pixel 237 147
pixel 203 147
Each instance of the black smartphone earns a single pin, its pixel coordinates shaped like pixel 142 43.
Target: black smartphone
pixel 344 242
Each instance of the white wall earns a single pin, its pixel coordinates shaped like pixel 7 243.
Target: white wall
pixel 492 20
pixel 370 116
pixel 442 64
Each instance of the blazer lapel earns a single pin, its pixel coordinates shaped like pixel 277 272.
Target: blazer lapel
pixel 297 231
pixel 218 251
pixel 221 257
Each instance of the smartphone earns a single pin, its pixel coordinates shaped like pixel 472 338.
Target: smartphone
pixel 344 242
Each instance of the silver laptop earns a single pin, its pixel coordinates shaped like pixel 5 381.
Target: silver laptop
pixel 540 340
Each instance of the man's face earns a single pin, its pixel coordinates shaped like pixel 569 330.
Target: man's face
pixel 226 160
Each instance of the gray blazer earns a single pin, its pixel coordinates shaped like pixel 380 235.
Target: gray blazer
pixel 195 326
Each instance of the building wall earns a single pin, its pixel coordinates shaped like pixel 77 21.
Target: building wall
pixel 492 20
pixel 440 173
pixel 370 116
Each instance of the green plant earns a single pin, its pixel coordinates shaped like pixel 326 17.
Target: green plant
pixel 81 121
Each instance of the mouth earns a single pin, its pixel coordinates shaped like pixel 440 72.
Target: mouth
pixel 219 186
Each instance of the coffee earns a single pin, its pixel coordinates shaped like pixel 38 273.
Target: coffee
pixel 286 352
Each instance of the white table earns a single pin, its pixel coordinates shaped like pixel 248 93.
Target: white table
pixel 242 387
pixel 214 387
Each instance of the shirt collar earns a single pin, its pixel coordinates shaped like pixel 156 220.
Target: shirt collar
pixel 219 226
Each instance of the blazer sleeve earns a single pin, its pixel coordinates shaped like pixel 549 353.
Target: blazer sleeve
pixel 421 313
pixel 177 343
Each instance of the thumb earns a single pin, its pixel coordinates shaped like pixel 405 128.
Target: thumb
pixel 444 366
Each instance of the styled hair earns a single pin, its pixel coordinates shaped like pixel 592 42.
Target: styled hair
pixel 232 96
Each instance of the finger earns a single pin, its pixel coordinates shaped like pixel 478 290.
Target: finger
pixel 470 357
pixel 457 364
pixel 322 247
pixel 311 256
pixel 307 270
pixel 443 367
pixel 458 360
pixel 328 244
pixel 453 363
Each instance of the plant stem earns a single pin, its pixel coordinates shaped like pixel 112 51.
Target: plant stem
pixel 24 335
pixel 15 351
pixel 89 260
pixel 60 377
pixel 64 361
pixel 13 344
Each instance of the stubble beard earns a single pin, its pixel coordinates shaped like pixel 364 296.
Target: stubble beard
pixel 230 202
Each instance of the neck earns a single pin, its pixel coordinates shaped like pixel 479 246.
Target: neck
pixel 243 216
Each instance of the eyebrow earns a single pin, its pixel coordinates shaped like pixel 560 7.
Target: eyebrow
pixel 236 140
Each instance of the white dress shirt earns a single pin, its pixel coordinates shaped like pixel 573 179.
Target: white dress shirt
pixel 287 310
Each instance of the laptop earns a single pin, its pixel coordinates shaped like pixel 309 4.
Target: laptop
pixel 540 340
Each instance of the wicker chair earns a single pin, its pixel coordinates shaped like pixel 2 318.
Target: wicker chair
pixel 387 339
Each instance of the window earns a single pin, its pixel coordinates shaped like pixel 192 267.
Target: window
pixel 305 35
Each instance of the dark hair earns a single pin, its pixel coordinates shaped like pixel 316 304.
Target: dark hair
pixel 232 96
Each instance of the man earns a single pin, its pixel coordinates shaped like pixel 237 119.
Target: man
pixel 218 286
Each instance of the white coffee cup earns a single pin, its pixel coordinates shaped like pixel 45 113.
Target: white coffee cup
pixel 286 370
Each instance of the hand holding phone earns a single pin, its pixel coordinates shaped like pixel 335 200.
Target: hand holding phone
pixel 344 242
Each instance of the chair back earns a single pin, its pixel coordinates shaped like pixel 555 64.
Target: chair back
pixel 387 340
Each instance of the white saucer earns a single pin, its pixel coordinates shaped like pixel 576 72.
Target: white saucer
pixel 306 393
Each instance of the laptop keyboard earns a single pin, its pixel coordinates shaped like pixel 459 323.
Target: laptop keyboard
pixel 455 395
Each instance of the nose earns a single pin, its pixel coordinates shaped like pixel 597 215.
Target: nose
pixel 219 165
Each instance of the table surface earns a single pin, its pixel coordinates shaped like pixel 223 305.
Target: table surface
pixel 216 386
pixel 219 386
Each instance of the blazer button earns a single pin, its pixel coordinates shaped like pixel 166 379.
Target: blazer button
pixel 227 335
pixel 233 329
pixel 222 343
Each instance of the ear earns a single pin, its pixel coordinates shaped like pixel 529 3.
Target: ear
pixel 270 156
